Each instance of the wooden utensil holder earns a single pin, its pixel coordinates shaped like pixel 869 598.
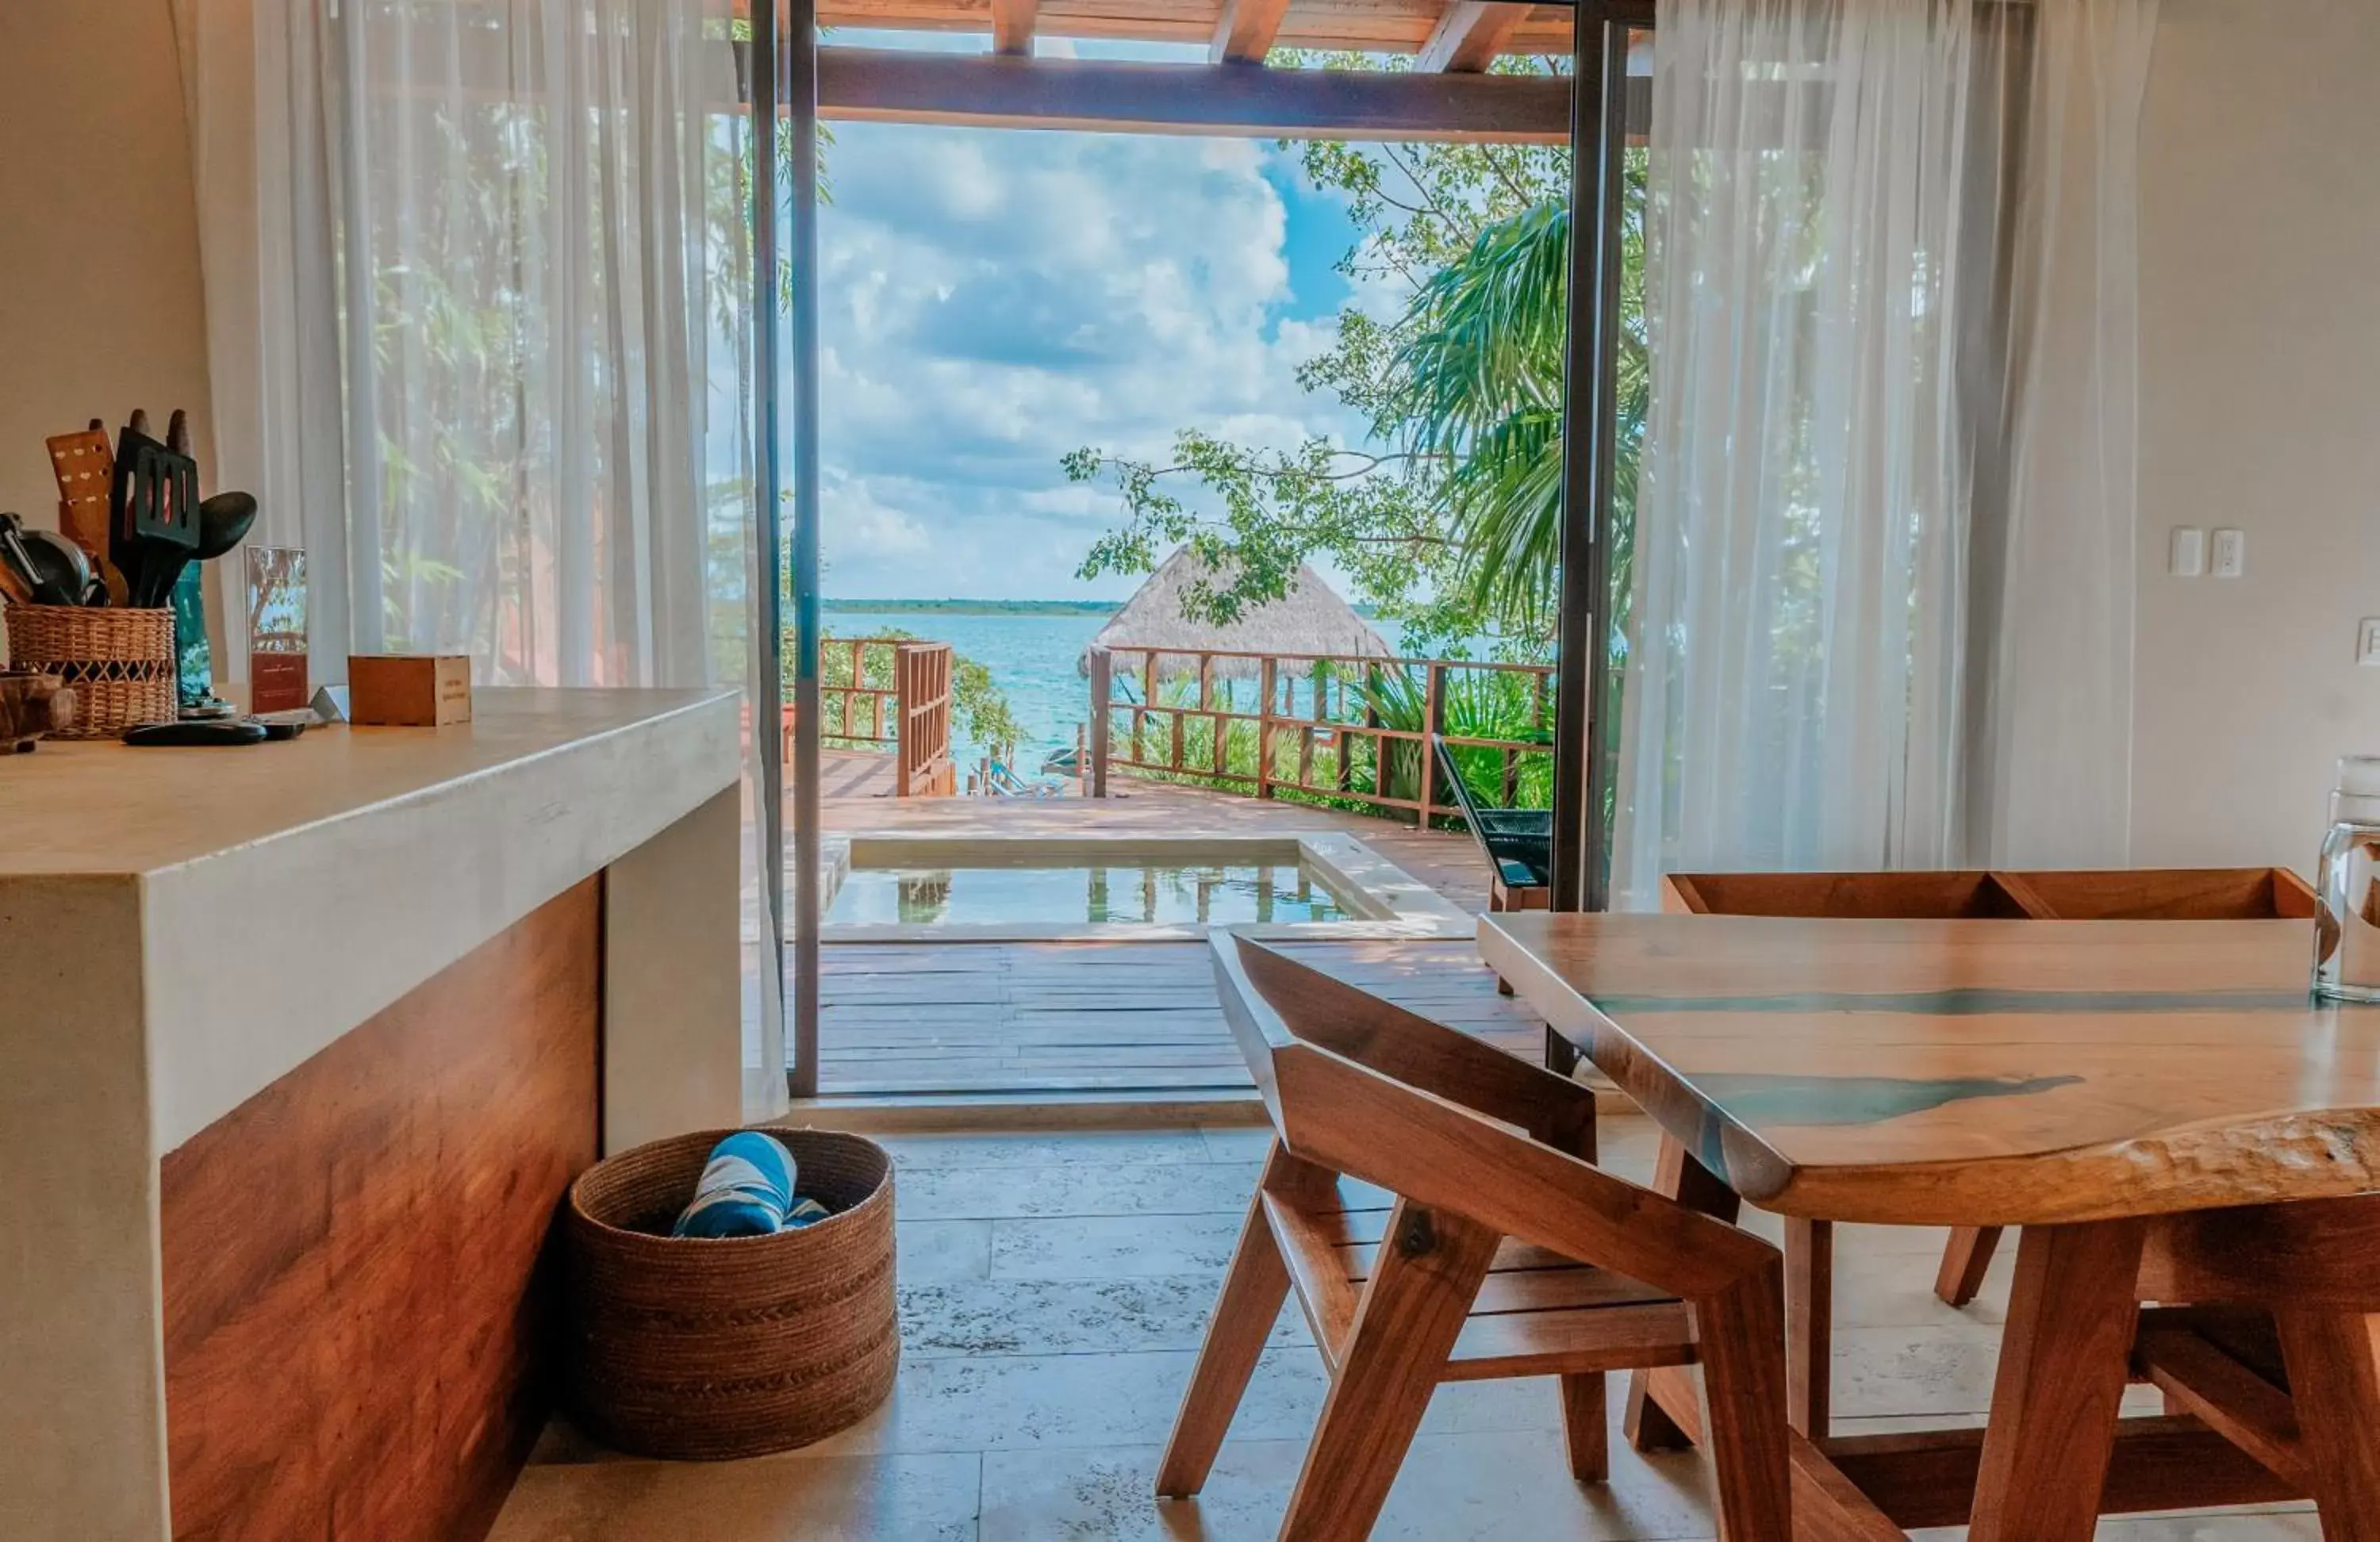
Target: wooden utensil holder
pixel 119 662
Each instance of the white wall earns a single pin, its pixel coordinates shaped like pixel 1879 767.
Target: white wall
pixel 2260 383
pixel 100 301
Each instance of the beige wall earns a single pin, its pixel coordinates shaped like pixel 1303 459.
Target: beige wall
pixel 100 305
pixel 2260 383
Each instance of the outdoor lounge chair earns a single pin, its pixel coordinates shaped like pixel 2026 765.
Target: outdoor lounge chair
pixel 1518 843
pixel 1499 1249
pixel 1001 782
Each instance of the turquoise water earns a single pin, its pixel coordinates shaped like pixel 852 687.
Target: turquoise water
pixel 1219 895
pixel 1032 661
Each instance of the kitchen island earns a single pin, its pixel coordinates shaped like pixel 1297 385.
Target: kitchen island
pixel 300 1044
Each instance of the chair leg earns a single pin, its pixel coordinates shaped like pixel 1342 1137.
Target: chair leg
pixel 1676 1176
pixel 1809 1324
pixel 1964 1262
pixel 1253 1292
pixel 1561 1055
pixel 1586 1438
pixel 1426 1273
pixel 2335 1382
pixel 1740 1337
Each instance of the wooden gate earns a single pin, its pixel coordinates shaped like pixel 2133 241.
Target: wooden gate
pixel 921 678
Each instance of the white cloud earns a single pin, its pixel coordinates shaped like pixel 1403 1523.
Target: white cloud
pixel 994 298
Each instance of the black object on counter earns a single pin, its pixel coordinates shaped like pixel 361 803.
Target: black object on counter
pixel 156 513
pixel 188 734
pixel 282 726
pixel 223 522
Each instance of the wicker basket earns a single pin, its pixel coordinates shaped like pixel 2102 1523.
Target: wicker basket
pixel 707 1349
pixel 119 662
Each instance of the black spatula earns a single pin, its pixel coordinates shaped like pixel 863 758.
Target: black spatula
pixel 156 519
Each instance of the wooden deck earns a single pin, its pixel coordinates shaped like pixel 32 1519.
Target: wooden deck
pixel 1136 1018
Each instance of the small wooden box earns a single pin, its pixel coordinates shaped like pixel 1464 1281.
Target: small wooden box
pixel 409 690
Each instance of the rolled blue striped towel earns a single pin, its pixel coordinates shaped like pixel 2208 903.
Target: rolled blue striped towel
pixel 747 1190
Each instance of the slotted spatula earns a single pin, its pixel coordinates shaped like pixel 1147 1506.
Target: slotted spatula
pixel 156 522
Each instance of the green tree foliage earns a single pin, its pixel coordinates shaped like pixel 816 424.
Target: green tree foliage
pixel 1448 520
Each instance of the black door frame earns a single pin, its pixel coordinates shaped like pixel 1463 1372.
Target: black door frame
pixel 784 102
pixel 1590 388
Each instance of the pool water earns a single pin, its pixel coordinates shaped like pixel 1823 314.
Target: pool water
pixel 1129 894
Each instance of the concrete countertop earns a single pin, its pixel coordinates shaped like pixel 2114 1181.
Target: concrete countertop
pixel 287 892
pixel 102 808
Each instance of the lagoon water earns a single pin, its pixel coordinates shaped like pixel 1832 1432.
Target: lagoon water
pixel 1032 659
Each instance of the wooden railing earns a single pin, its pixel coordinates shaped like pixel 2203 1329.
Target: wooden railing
pixel 1313 751
pixel 921 673
pixel 840 705
pixel 909 713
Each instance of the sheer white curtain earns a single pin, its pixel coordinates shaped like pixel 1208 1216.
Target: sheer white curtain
pixel 481 270
pixel 1883 549
pixel 526 219
pixel 479 308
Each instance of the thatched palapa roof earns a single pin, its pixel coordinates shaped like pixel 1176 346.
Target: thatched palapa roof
pixel 1311 619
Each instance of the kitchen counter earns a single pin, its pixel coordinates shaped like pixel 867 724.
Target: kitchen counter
pixel 373 950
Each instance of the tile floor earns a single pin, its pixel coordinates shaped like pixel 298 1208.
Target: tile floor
pixel 1053 1290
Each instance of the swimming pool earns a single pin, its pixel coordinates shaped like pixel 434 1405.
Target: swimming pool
pixel 1140 893
pixel 989 888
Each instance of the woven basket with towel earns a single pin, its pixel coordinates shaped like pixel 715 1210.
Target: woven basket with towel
pixel 706 1348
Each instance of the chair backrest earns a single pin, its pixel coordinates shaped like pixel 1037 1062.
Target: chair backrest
pixel 1521 853
pixel 1451 775
pixel 1359 1086
pixel 1276 1005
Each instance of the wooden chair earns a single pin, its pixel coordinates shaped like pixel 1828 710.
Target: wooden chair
pixel 1499 1253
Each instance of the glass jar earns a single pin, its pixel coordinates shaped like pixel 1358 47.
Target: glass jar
pixel 2346 888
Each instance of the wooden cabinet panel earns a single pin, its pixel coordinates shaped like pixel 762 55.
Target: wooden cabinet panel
pixel 357 1289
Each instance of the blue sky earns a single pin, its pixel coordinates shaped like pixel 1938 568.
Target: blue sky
pixel 993 299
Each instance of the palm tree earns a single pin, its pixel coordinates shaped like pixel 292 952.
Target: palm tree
pixel 1481 359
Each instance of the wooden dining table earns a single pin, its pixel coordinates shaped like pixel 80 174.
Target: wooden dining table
pixel 2162 1106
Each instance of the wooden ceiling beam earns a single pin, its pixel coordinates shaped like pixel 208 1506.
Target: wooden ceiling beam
pixel 992 92
pixel 1469 36
pixel 1244 33
pixel 1012 25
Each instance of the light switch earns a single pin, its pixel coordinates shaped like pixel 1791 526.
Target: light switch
pixel 2367 641
pixel 2186 558
pixel 2230 554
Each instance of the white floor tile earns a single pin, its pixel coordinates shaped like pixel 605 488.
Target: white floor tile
pixel 777 1498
